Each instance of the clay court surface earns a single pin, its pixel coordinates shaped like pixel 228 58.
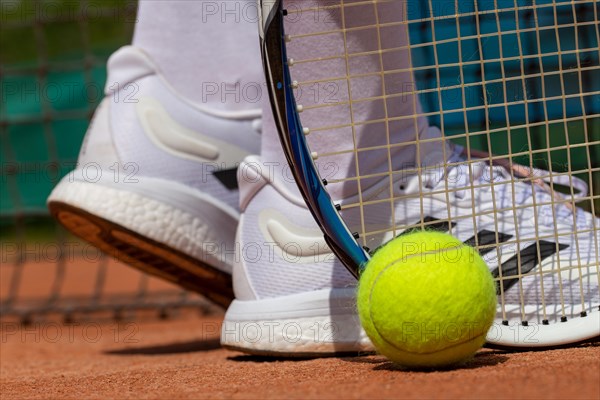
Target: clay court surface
pixel 180 358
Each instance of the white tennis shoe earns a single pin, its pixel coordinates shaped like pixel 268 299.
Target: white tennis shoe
pixel 293 297
pixel 155 184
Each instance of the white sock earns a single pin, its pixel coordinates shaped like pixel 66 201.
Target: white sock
pixel 207 50
pixel 398 82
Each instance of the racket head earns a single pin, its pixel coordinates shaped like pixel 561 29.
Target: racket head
pixel 509 330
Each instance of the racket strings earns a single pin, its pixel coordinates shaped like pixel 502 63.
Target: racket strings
pixel 532 153
pixel 553 208
pixel 436 14
pixel 540 87
pixel 442 42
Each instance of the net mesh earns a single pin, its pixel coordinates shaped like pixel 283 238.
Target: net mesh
pixel 52 73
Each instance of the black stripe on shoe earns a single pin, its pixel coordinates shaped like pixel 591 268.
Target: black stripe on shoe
pixel 487 238
pixel 529 260
pixel 227 177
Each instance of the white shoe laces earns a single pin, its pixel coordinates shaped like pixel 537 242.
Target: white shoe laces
pixel 532 186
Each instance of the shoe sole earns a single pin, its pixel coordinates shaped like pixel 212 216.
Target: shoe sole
pixel 138 250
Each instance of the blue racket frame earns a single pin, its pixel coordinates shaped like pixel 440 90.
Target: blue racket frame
pixel 343 243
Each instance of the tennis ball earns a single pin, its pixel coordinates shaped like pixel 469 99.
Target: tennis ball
pixel 425 299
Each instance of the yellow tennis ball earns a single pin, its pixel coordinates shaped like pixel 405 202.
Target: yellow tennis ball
pixel 426 299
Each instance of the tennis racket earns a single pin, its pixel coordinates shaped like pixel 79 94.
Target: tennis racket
pixel 518 78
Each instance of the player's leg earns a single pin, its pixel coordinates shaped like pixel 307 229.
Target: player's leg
pixel 155 183
pixel 293 297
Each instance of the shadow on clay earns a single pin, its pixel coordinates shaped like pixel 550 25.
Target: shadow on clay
pixel 173 348
pixel 296 358
pixel 486 358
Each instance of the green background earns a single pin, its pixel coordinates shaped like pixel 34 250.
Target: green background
pixel 52 73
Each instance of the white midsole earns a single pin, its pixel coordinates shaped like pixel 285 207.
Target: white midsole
pixel 167 212
pixel 318 322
